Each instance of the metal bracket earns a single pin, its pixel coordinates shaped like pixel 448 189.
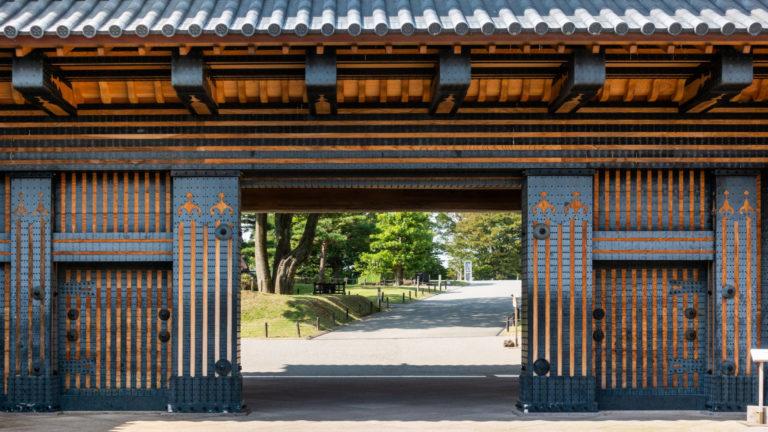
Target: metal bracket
pixel 449 88
pixel 41 86
pixel 579 83
pixel 729 73
pixel 189 77
pixel 320 79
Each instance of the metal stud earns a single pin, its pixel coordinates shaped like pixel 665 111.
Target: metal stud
pixel 728 368
pixel 223 367
pixel 541 367
pixel 598 314
pixel 223 232
pixel 690 335
pixel 164 314
pixel 37 294
pixel 690 313
pixel 598 335
pixel 729 291
pixel 540 231
pixel 73 314
pixel 72 335
pixel 164 336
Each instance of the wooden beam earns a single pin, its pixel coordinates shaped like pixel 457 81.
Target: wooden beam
pixel 189 77
pixel 728 74
pixel 341 200
pixel 451 82
pixel 320 79
pixel 42 86
pixel 582 78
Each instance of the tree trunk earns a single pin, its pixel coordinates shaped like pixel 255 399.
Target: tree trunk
pixel 263 276
pixel 285 269
pixel 399 274
pixel 323 260
pixel 283 234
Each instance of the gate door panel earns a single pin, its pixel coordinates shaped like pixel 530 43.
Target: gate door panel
pixel 650 340
pixel 113 336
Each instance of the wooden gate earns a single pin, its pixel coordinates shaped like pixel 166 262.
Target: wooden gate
pixel 649 332
pixel 114 336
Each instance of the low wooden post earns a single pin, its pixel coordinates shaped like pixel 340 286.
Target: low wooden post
pixel 403 297
pixel 370 310
pixel 266 329
pixel 439 282
pixel 298 328
pixel 346 312
pixel 507 323
pixel 409 296
pixel 317 323
pixel 387 302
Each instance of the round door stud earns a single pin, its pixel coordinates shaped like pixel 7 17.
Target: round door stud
pixel 690 335
pixel 690 313
pixel 541 367
pixel 223 232
pixel 728 368
pixel 598 335
pixel 540 231
pixel 37 369
pixel 729 291
pixel 164 314
pixel 223 367
pixel 72 335
pixel 164 336
pixel 598 314
pixel 73 314
pixel 37 294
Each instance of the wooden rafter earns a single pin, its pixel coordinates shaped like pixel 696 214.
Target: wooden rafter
pixel 320 79
pixel 452 80
pixel 189 77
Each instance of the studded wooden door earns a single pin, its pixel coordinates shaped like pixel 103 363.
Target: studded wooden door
pixel 650 325
pixel 114 336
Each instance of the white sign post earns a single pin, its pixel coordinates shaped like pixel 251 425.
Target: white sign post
pixel 756 414
pixel 468 271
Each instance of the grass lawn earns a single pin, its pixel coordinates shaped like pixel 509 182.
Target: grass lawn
pixel 281 312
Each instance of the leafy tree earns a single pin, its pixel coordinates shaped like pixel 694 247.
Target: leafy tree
pixel 490 240
pixel 403 243
pixel 340 240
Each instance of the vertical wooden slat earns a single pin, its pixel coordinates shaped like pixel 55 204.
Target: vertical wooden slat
pixel 7 326
pixel 115 199
pixel 623 333
pixel 659 199
pixel 159 305
pixel 748 293
pixel 109 331
pixel 675 316
pixel 62 203
pixel 43 282
pixel 67 343
pixel 136 216
pixel 157 202
pixel 84 202
pixel 633 326
pixel 596 201
pixel 169 304
pixel 736 277
pixel 628 199
pixel 140 350
pixel 130 356
pixel 644 323
pixel 680 199
pixel 670 203
pixel 607 200
pixel 76 345
pixel 74 202
pixel 691 199
pixel 230 294
pixel 639 200
pixel 167 201
pixel 547 296
pixel 87 335
pixel 148 354
pixel 180 311
pixel 702 199
pixel 654 326
pixel 559 306
pixel 649 199
pixel 30 276
pixel 94 201
pixel 146 202
pixel 104 202
pixel 614 305
pixel 125 202
pixel 204 352
pixel 192 297
pixel 217 299
pixel 572 298
pixel 119 357
pixel 604 343
pixel 584 293
pixel 758 268
pixel 534 301
pixel 664 330
pixel 617 192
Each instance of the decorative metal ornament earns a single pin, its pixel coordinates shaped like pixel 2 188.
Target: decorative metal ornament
pixel 541 367
pixel 223 367
pixel 598 314
pixel 540 231
pixel 223 232
pixel 598 335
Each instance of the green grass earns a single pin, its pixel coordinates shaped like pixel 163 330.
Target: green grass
pixel 281 312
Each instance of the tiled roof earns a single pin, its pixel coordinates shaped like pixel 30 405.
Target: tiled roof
pixel 65 18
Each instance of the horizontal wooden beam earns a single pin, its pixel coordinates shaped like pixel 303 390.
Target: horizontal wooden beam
pixel 111 247
pixel 189 77
pixel 42 86
pixel 339 200
pixel 730 72
pixel 582 78
pixel 451 82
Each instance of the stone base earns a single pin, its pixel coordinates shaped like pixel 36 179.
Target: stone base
pixel 755 415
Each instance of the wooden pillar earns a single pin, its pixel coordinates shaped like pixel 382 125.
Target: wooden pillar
pixel 206 243
pixel 557 321
pixel 31 384
pixel 737 298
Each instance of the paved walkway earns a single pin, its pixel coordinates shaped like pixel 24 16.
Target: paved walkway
pixel 452 333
